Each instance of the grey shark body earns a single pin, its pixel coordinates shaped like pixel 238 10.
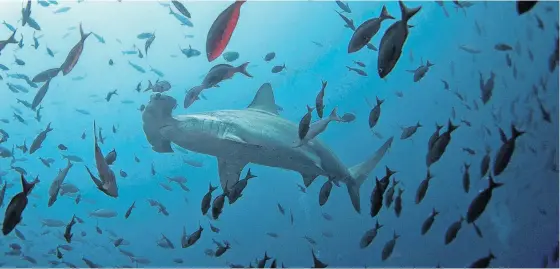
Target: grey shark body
pixel 253 135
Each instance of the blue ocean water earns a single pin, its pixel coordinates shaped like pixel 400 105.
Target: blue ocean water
pixel 519 226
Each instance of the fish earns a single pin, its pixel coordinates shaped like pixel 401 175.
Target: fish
pixel 304 123
pixel 137 67
pixel 375 113
pixel 270 56
pixel 427 224
pixel 503 156
pixel 17 205
pixel 148 43
pixel 343 6
pixel 144 35
pixel 423 188
pixel 106 182
pixel 479 203
pixel 57 183
pixel 184 20
pixel 222 29
pixel 365 32
pixel 389 247
pixel 452 231
pixel 61 10
pixel 230 56
pixel 358 71
pixel 421 71
pixel 319 100
pixel 278 68
pixel 392 42
pixel 484 262
pixel 162 129
pixel 179 6
pixel 190 52
pixel 39 139
pixel 74 54
pixel 369 235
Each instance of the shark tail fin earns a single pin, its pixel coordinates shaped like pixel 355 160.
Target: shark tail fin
pixel 360 173
pixel 156 116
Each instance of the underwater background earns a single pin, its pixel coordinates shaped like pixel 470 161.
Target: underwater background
pixel 519 226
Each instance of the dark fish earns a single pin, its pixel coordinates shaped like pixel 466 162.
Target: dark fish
pixel 376 198
pixel 325 192
pixel 319 100
pixel 503 156
pixel 129 210
pixel 429 221
pixel 485 261
pixel 62 147
pixel 369 235
pixel 375 113
pixel 389 246
pixel 207 199
pixel 466 178
pixel 304 123
pixel 74 54
pixel 423 188
pixel 221 30
pixel 17 205
pixel 269 56
pixel 365 32
pixel 398 202
pixel 278 68
pixel 479 203
pixel 181 8
pixel 149 43
pixel 392 42
pixel 390 193
pixel 452 231
pixel 39 139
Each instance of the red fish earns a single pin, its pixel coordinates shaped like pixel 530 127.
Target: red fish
pixel 221 30
pixel 74 54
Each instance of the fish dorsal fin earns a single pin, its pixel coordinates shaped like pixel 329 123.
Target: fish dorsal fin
pixel 264 100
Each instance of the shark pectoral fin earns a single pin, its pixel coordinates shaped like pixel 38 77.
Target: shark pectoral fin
pixel 229 171
pixel 308 179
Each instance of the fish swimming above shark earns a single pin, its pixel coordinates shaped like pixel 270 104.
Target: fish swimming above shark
pixel 256 135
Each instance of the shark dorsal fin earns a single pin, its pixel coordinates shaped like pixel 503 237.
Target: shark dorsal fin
pixel 264 100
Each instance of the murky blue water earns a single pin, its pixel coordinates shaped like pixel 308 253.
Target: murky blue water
pixel 519 226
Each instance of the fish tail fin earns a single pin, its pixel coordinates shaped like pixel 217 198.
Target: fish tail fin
pixel 493 184
pixel 515 133
pixel 243 69
pixel 26 185
pixel 428 64
pixel 360 173
pixel 12 38
pixel 82 35
pixel 156 116
pixel 408 13
pixel 385 14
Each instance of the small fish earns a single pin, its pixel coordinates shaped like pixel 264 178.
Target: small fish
pixel 358 71
pixel 61 10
